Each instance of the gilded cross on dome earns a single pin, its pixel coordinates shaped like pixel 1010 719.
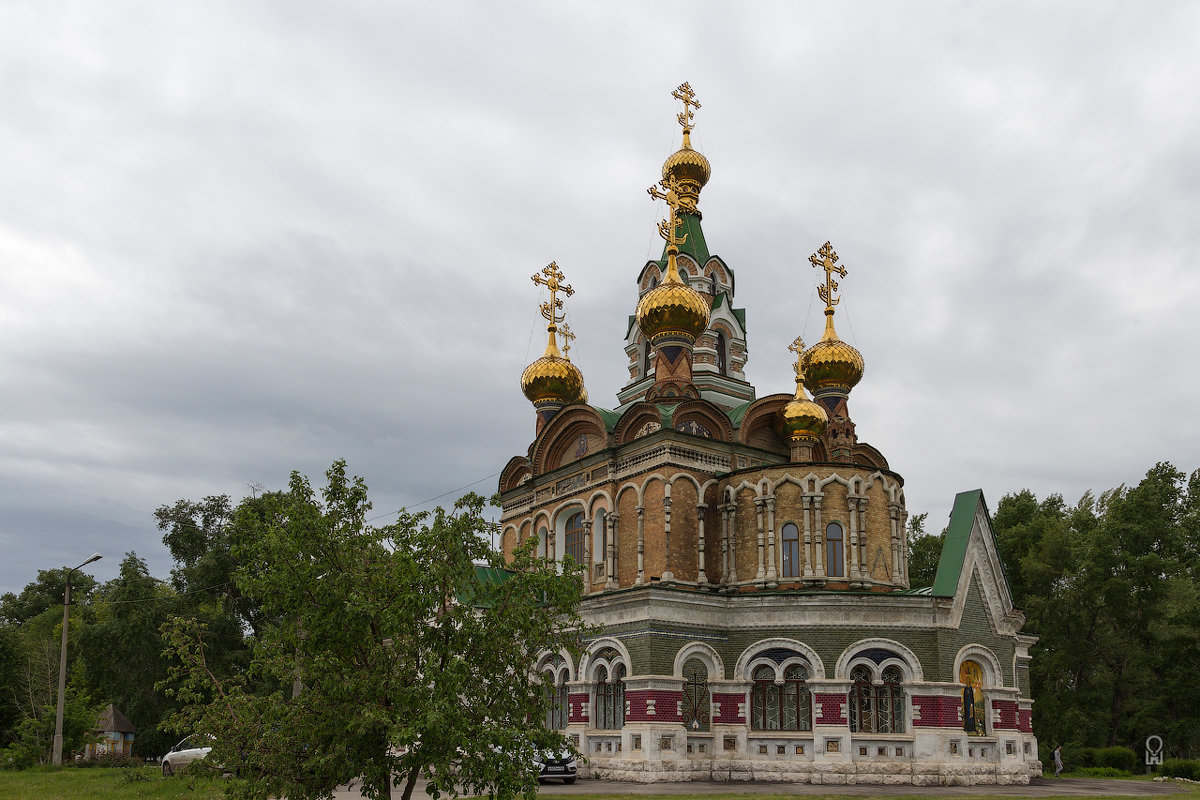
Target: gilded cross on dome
pixel 568 337
pixel 670 194
pixel 553 282
pixel 827 261
pixel 797 347
pixel 685 94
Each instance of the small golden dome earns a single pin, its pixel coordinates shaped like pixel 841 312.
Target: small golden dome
pixel 672 307
pixel 831 363
pixel 686 164
pixel 552 378
pixel 802 418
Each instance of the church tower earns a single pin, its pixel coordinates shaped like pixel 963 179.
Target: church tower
pixel 744 559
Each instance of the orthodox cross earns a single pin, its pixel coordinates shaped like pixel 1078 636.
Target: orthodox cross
pixel 685 94
pixel 828 262
pixel 568 337
pixel 553 281
pixel 797 347
pixel 667 228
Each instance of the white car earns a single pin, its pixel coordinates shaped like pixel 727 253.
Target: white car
pixel 193 748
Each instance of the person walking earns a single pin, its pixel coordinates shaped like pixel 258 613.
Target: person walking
pixel 1058 765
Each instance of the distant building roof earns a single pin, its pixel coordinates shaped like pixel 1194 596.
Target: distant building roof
pixel 111 719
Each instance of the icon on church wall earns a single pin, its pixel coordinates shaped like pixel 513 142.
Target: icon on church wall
pixel 970 675
pixel 581 448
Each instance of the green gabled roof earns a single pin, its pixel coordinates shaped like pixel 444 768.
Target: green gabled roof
pixel 485 576
pixel 629 328
pixel 717 301
pixel 954 549
pixel 738 412
pixel 610 418
pixel 740 313
pixel 694 245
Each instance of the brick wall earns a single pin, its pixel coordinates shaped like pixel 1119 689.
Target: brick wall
pixel 1006 715
pixel 1025 721
pixel 653 705
pixel 832 709
pixel 936 712
pixel 575 709
pixel 725 708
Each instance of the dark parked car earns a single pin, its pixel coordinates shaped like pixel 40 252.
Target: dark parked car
pixel 556 765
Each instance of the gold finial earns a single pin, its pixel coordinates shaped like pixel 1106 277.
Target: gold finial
pixel 568 337
pixel 828 261
pixel 553 281
pixel 797 347
pixel 685 94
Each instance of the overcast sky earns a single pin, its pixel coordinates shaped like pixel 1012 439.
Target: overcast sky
pixel 241 238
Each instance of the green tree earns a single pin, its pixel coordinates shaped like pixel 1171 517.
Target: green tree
pixel 122 650
pixel 45 593
pixel 924 552
pixel 398 651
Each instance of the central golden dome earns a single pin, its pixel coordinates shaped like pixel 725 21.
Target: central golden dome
pixel 686 164
pixel 831 363
pixel 552 378
pixel 672 308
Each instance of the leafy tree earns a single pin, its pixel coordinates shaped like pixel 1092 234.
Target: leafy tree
pixel 122 650
pixel 45 593
pixel 924 552
pixel 384 652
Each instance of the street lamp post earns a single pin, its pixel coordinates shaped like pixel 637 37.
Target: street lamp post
pixel 62 664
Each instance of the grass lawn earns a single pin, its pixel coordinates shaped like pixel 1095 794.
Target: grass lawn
pixel 105 783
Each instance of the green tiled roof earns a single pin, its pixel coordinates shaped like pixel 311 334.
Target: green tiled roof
pixel 610 418
pixel 737 412
pixel 694 245
pixel 954 549
pixel 486 576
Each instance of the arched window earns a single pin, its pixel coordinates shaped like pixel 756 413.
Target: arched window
pixel 790 561
pixel 722 364
pixel 862 706
pixel 610 698
pixel 696 705
pixel 600 537
pixel 876 707
pixel 646 360
pixel 543 546
pixel 712 283
pixel 890 700
pixel 574 537
pixel 835 552
pixel 558 703
pixel 974 714
pixel 653 281
pixel 775 707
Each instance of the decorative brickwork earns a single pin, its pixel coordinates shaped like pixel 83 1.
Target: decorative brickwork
pixel 937 712
pixel 577 708
pixel 653 705
pixel 729 709
pixel 1006 715
pixel 832 709
pixel 1025 720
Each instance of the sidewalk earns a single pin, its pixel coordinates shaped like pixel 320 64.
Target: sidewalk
pixel 1038 787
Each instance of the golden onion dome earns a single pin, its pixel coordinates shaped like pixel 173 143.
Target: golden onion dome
pixel 672 307
pixel 802 418
pixel 686 164
pixel 552 378
pixel 831 363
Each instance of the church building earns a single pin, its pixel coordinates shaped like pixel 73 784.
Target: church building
pixel 745 558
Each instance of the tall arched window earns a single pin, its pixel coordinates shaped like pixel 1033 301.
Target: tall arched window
pixel 722 363
pixel 780 707
pixel 876 707
pixel 558 702
pixel 574 537
pixel 712 283
pixel 790 561
pixel 862 705
pixel 696 705
pixel 610 698
pixel 835 551
pixel 974 714
pixel 543 546
pixel 646 360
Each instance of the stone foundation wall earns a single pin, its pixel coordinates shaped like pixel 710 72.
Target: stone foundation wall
pixel 843 773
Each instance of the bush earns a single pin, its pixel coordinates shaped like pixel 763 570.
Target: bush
pixel 1100 772
pixel 1121 758
pixel 1182 768
pixel 1074 755
pixel 105 760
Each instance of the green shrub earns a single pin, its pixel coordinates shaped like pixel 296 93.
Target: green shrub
pixel 1100 772
pixel 1182 768
pixel 105 760
pixel 1074 755
pixel 1121 758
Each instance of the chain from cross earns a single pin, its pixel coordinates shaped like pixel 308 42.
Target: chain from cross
pixel 568 337
pixel 553 282
pixel 670 194
pixel 685 94
pixel 827 259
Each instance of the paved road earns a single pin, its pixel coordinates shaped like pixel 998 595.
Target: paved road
pixel 1039 787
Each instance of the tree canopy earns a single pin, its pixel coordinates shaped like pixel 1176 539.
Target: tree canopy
pixel 401 650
